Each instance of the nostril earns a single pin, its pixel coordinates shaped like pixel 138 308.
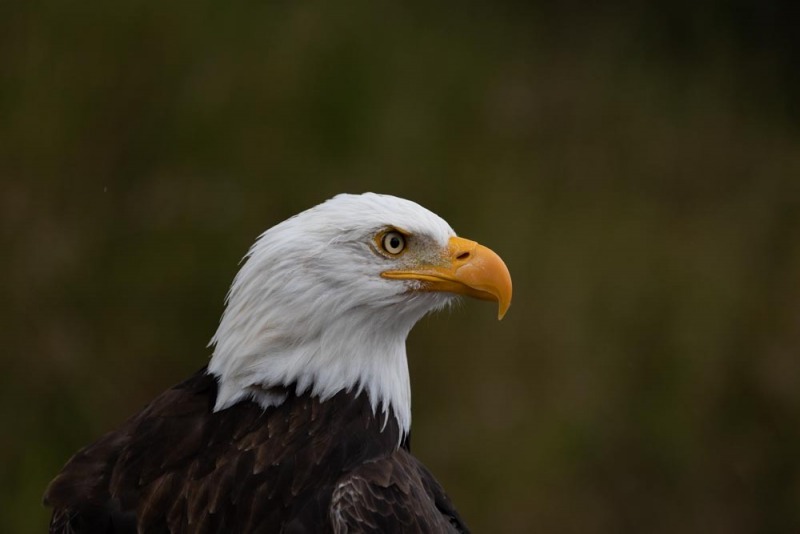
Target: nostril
pixel 463 256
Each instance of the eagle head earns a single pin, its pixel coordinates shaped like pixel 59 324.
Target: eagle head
pixel 325 300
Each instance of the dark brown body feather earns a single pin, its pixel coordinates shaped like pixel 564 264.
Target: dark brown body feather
pixel 304 466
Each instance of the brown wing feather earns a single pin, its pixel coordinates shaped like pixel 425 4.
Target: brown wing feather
pixel 392 494
pixel 177 466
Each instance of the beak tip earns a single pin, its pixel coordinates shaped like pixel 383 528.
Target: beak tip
pixel 501 311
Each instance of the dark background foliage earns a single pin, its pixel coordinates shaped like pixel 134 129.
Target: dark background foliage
pixel 637 166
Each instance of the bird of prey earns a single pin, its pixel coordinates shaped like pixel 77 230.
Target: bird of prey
pixel 300 422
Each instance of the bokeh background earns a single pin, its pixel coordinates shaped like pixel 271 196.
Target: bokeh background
pixel 638 167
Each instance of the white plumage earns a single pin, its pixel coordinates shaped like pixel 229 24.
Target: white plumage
pixel 310 307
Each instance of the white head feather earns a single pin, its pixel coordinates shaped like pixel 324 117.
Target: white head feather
pixel 309 306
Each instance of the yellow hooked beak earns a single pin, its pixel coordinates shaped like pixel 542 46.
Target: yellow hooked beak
pixel 469 269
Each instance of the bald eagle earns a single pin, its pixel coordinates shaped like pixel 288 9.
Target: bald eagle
pixel 300 422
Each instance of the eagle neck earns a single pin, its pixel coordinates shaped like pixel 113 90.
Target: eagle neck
pixel 358 353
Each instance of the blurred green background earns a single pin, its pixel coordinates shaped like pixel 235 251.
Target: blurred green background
pixel 637 167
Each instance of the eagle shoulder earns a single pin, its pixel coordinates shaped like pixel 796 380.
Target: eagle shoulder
pixel 392 494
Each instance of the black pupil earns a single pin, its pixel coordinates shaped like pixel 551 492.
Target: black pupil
pixel 394 242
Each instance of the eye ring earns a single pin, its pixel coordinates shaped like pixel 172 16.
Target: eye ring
pixel 393 242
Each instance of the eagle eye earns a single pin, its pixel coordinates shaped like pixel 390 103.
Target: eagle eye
pixel 393 242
